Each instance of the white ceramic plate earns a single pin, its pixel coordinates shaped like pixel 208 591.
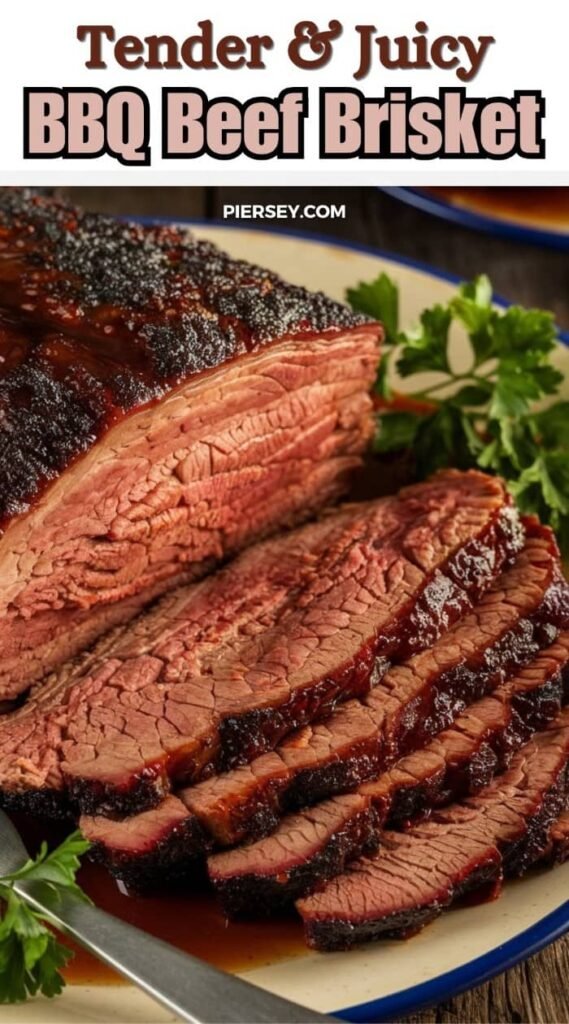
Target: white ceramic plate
pixel 464 947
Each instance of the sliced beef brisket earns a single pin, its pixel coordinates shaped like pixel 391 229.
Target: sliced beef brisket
pixel 163 842
pixel 417 874
pixel 222 670
pixel 161 405
pixel 518 615
pixel 309 848
pixel 521 613
pixel 304 852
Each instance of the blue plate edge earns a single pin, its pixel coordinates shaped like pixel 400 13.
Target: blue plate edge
pixel 494 226
pixel 545 931
pixel 468 975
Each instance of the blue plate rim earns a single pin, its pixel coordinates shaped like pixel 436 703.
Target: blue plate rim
pixel 496 226
pixel 469 975
pixel 541 933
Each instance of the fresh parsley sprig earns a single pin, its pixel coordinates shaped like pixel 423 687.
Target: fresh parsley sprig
pixel 31 956
pixel 485 415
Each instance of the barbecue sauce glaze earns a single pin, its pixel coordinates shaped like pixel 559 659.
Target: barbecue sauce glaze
pixel 191 920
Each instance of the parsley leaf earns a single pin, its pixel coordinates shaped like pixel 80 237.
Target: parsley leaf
pixel 551 426
pixel 544 484
pixel 485 416
pixel 398 430
pixel 446 438
pixel 378 299
pixel 473 308
pixel 473 394
pixel 31 957
pixel 426 347
pixel 519 330
pixel 382 387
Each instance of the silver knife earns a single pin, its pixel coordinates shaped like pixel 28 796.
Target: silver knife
pixel 186 986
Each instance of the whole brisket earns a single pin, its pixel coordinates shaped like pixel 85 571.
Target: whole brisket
pixel 417 874
pixel 222 670
pixel 309 848
pixel 161 406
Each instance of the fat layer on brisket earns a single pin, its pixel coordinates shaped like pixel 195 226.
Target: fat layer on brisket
pixel 418 873
pixel 161 405
pixel 313 846
pixel 518 615
pixel 222 670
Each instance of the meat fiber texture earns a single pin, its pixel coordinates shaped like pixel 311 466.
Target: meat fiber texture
pixel 313 846
pixel 221 670
pixel 161 406
pixel 418 873
pixel 518 615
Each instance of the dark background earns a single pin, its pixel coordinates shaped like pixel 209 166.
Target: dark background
pixel 536 991
pixel 532 275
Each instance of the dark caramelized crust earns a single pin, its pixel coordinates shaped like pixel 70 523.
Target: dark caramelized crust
pixel 100 317
pixel 313 846
pixel 518 616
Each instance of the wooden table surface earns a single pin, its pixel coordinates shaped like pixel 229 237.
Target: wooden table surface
pixel 538 990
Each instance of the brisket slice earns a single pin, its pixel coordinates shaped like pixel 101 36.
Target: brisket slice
pixel 309 848
pixel 305 850
pixel 161 405
pixel 417 874
pixel 223 670
pixel 162 842
pixel 519 615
